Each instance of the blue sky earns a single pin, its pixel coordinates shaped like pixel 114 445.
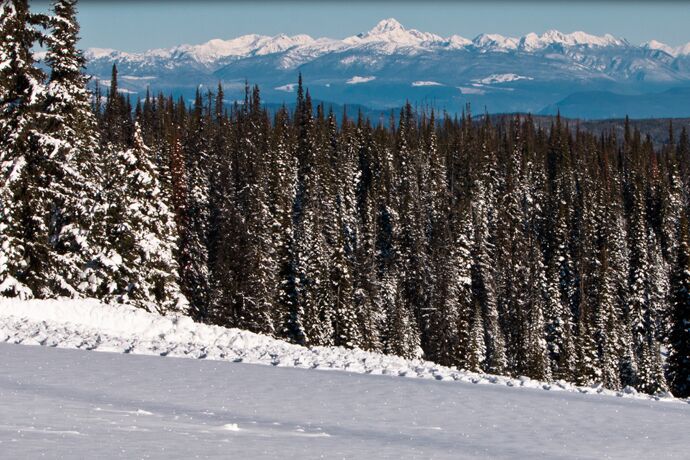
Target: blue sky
pixel 140 25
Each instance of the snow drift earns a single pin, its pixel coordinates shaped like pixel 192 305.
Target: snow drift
pixel 92 325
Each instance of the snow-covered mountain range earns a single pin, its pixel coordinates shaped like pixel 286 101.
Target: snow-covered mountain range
pixel 390 64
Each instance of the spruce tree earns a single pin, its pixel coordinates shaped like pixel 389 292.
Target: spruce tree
pixel 344 236
pixel 69 162
pixel 257 288
pixel 679 340
pixel 281 197
pixel 142 236
pixel 312 316
pixel 193 258
pixel 483 284
pixel 222 219
pixel 21 250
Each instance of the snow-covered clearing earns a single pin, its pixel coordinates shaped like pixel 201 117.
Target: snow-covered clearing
pixel 65 403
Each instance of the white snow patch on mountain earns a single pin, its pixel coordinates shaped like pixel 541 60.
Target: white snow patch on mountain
pixel 136 78
pixel 470 90
pixel 289 88
pixel 426 83
pixel 501 78
pixel 91 325
pixel 357 79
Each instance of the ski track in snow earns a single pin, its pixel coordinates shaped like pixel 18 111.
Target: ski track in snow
pixel 91 325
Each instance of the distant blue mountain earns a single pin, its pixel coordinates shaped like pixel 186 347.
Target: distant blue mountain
pixel 582 75
pixel 674 103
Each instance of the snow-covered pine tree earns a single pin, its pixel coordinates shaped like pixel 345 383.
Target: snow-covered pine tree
pixel 587 370
pixel 451 308
pixel 679 339
pixel 608 319
pixel 343 178
pixel 314 308
pixel 399 333
pixel 20 91
pixel 619 337
pixel 365 283
pixel 68 146
pixel 294 327
pixel 445 306
pixel 638 277
pixel 658 308
pixel 683 155
pixel 223 219
pixel 607 323
pixel 586 242
pixel 537 363
pixel 411 242
pixel 282 181
pixel 512 269
pixel 475 360
pixel 193 257
pixel 402 334
pixel 116 122
pixel 258 267
pixel 142 235
pixel 483 283
pixel 559 257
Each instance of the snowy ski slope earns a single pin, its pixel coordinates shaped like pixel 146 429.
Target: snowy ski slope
pixel 66 403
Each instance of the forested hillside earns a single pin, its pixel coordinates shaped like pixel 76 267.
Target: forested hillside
pixel 508 248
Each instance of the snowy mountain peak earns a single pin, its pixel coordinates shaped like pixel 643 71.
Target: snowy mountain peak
pixel 495 42
pixel 552 37
pixel 385 26
pixel 683 50
pixel 392 34
pixel 98 53
pixel 657 45
pixel 456 41
pixel 243 46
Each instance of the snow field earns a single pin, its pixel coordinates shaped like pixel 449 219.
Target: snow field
pixel 91 325
pixel 65 403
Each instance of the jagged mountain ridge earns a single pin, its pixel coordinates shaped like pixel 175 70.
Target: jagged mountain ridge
pixel 390 64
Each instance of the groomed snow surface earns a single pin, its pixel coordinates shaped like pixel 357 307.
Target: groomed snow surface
pixel 73 404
